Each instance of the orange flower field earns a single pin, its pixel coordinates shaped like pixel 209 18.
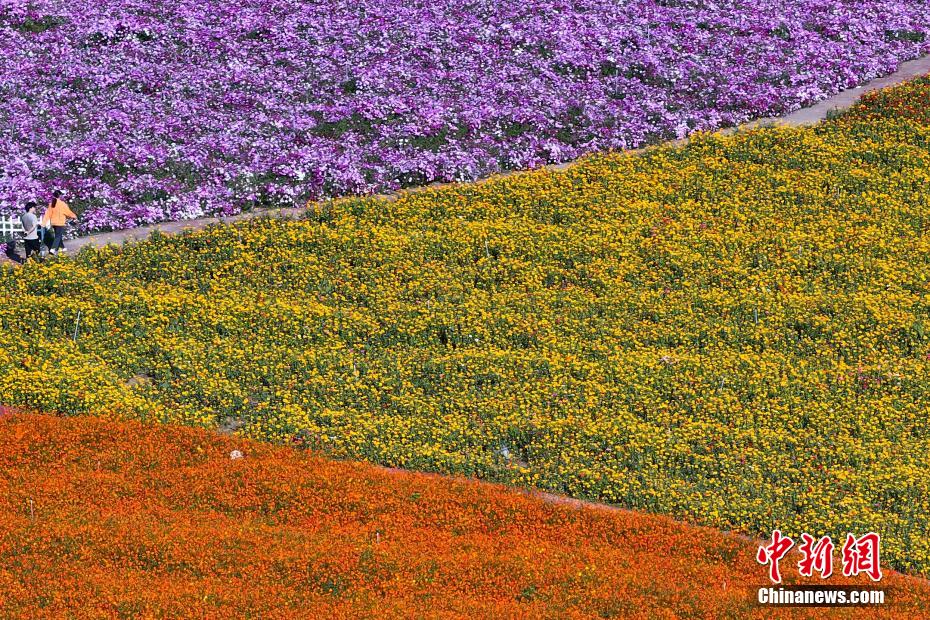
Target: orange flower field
pixel 109 519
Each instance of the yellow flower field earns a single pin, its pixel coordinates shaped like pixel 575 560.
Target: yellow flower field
pixel 735 332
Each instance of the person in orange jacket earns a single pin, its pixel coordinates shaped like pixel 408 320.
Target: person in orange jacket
pixel 57 215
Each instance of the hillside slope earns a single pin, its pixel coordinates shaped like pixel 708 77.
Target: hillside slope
pixel 734 333
pixel 121 519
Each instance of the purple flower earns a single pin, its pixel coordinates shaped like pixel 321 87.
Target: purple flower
pixel 150 111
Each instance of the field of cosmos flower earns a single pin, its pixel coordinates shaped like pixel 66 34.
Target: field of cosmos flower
pixel 151 110
pixel 732 332
pixel 123 520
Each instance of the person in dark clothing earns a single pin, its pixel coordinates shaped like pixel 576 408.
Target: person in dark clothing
pixel 9 248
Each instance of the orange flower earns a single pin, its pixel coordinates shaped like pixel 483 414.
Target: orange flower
pixel 120 519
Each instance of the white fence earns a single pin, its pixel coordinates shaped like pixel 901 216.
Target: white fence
pixel 9 226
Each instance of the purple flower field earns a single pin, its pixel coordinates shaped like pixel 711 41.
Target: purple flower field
pixel 153 110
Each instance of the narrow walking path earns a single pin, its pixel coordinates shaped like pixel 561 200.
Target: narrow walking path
pixel 841 101
pixel 803 117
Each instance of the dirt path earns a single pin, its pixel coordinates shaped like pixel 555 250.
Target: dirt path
pixel 805 116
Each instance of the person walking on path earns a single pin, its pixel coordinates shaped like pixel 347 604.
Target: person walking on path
pixel 56 216
pixel 30 230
